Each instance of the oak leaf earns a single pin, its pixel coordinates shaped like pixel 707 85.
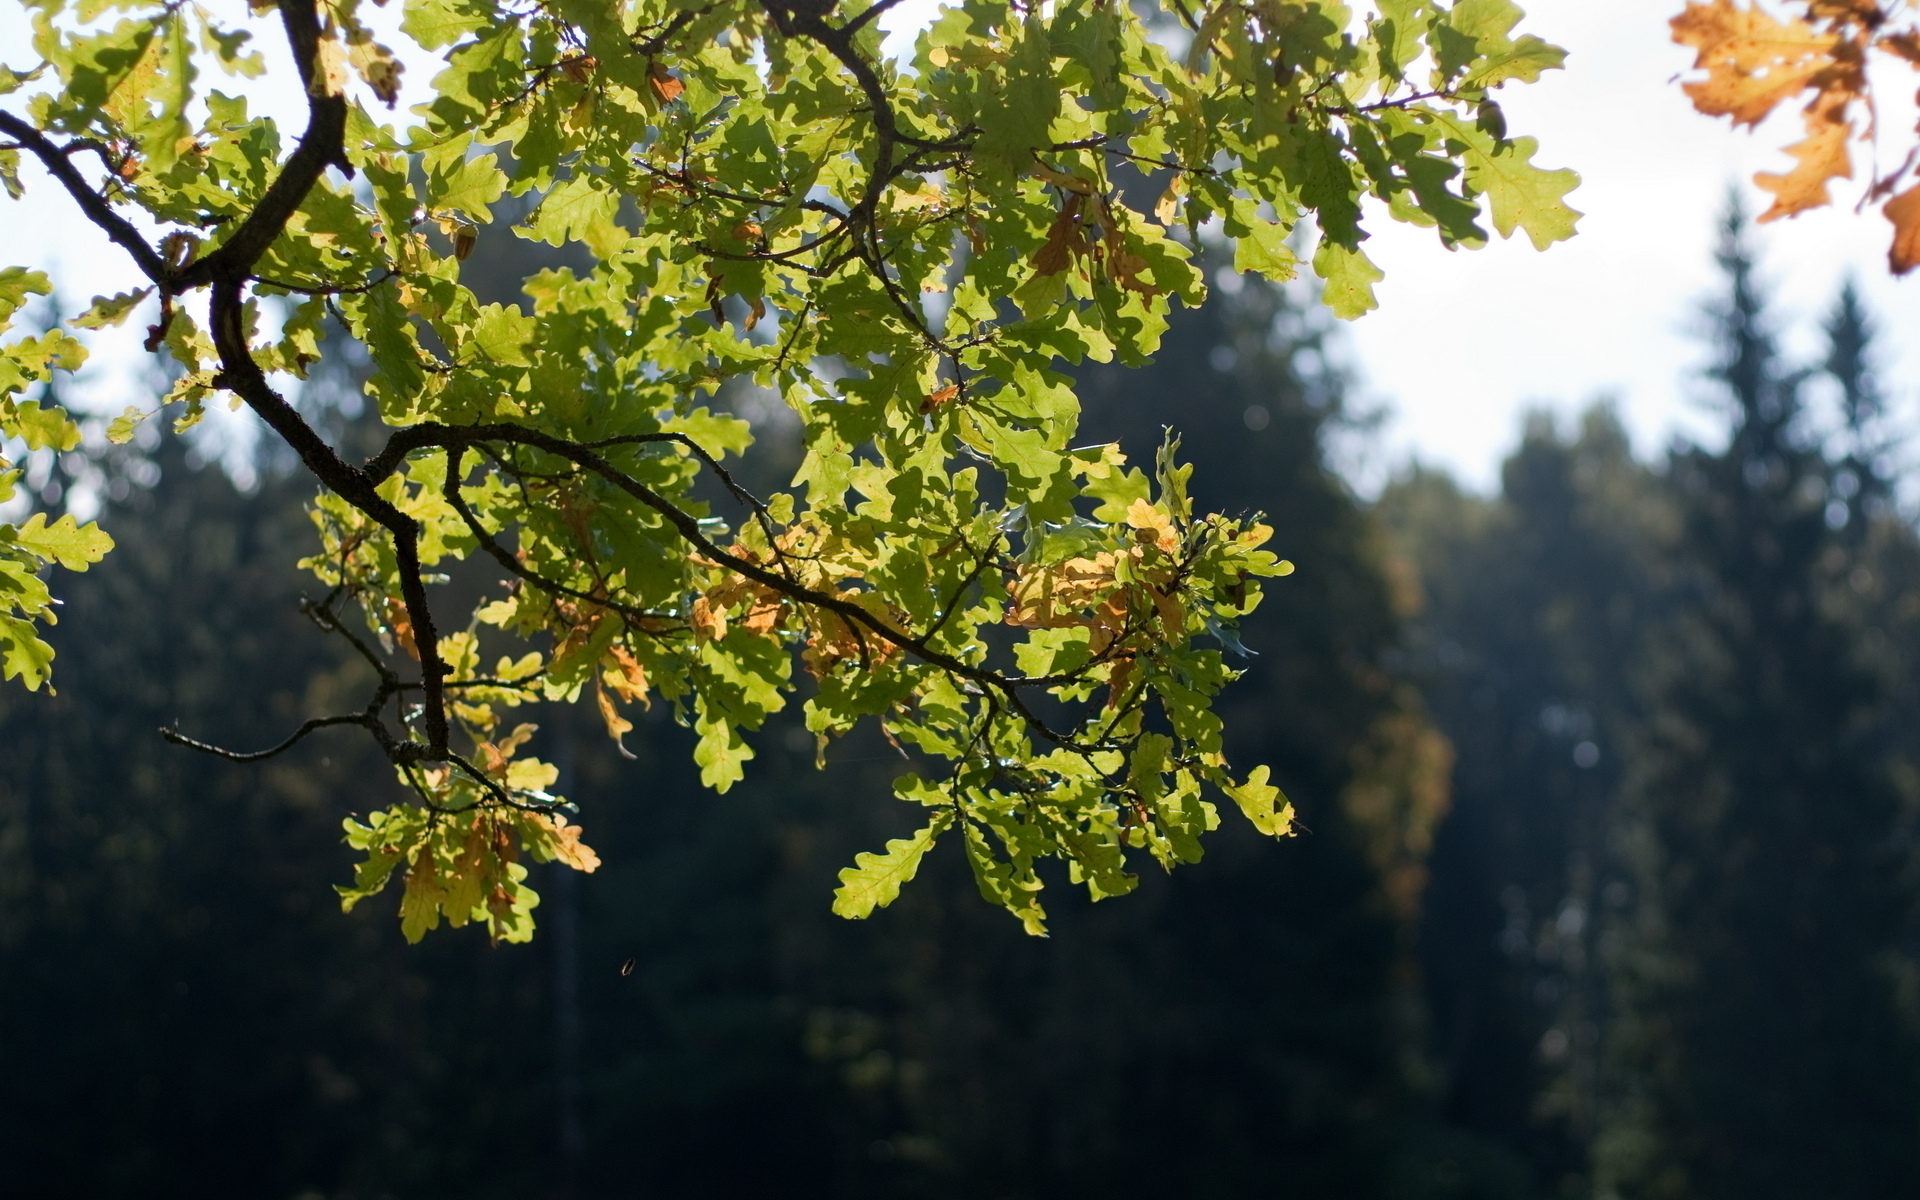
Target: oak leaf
pixel 1065 238
pixel 329 69
pixel 630 679
pixel 1905 43
pixel 569 849
pixel 665 87
pixel 377 65
pixel 1904 211
pixel 1753 62
pixel 1823 156
pixel 1152 525
pixel 617 726
pixel 939 398
pixel 401 622
pixel 1056 596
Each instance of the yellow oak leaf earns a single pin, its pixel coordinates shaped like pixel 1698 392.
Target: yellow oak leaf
pixel 629 680
pixel 1153 525
pixel 329 69
pixel 1822 156
pixel 377 65
pixel 1056 596
pixel 569 849
pixel 708 621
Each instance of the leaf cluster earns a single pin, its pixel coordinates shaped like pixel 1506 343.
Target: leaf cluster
pixel 1754 62
pixel 908 253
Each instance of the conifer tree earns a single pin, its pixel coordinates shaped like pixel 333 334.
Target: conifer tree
pixel 1532 605
pixel 1862 488
pixel 934 1051
pixel 1759 1051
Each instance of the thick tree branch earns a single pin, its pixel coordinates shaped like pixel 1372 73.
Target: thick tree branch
pixel 322 145
pixel 91 202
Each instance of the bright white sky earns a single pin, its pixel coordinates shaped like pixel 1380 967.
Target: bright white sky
pixel 1465 342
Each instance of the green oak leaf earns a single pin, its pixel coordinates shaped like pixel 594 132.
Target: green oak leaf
pixel 108 311
pixel 874 880
pixel 74 546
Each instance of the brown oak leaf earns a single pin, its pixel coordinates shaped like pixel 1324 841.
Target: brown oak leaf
pixel 940 397
pixel 1904 211
pixel 1065 238
pixel 1753 62
pixel 665 87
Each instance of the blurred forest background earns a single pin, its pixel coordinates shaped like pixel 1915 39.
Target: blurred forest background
pixel 1605 885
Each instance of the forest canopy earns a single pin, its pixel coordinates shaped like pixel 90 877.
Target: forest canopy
pixel 906 252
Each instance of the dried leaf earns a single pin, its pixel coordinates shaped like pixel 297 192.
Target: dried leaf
pixel 377 65
pixel 401 622
pixel 666 88
pixel 940 397
pixel 569 849
pixel 1822 156
pixel 1904 211
pixel 1905 44
pixel 1058 596
pixel 1065 238
pixel 617 726
pixel 630 680
pixel 709 623
pixel 1753 62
